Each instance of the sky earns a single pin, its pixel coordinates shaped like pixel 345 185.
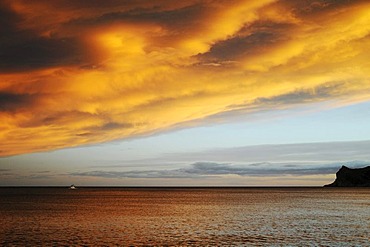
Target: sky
pixel 198 92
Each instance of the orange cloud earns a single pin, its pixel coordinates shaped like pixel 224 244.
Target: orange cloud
pixel 79 73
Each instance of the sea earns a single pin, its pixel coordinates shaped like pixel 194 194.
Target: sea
pixel 159 216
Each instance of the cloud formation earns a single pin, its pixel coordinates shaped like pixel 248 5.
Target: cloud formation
pixel 211 169
pixel 84 72
pixel 309 153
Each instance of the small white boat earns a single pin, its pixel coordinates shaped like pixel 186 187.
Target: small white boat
pixel 72 187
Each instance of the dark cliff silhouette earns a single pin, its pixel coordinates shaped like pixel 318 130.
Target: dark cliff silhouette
pixel 347 177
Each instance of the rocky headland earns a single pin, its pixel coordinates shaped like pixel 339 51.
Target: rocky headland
pixel 348 177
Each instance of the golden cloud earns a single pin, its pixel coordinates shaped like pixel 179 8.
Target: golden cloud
pixel 80 73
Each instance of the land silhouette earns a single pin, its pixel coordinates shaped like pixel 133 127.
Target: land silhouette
pixel 347 177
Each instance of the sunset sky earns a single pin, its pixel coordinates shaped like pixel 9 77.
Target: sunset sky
pixel 198 92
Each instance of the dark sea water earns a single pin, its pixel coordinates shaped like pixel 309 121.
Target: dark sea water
pixel 181 217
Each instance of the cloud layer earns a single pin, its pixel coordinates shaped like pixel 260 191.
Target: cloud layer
pixel 84 72
pixel 210 169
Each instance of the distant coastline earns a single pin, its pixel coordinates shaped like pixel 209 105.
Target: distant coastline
pixel 348 177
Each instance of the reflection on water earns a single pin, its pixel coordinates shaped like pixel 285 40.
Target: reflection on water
pixel 239 216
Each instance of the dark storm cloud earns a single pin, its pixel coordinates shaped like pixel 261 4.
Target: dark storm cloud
pixel 8 19
pixel 90 4
pixel 239 46
pixel 24 49
pixel 207 169
pixel 169 18
pixel 11 102
pixel 30 53
pixel 99 6
pixel 252 39
pixel 319 6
